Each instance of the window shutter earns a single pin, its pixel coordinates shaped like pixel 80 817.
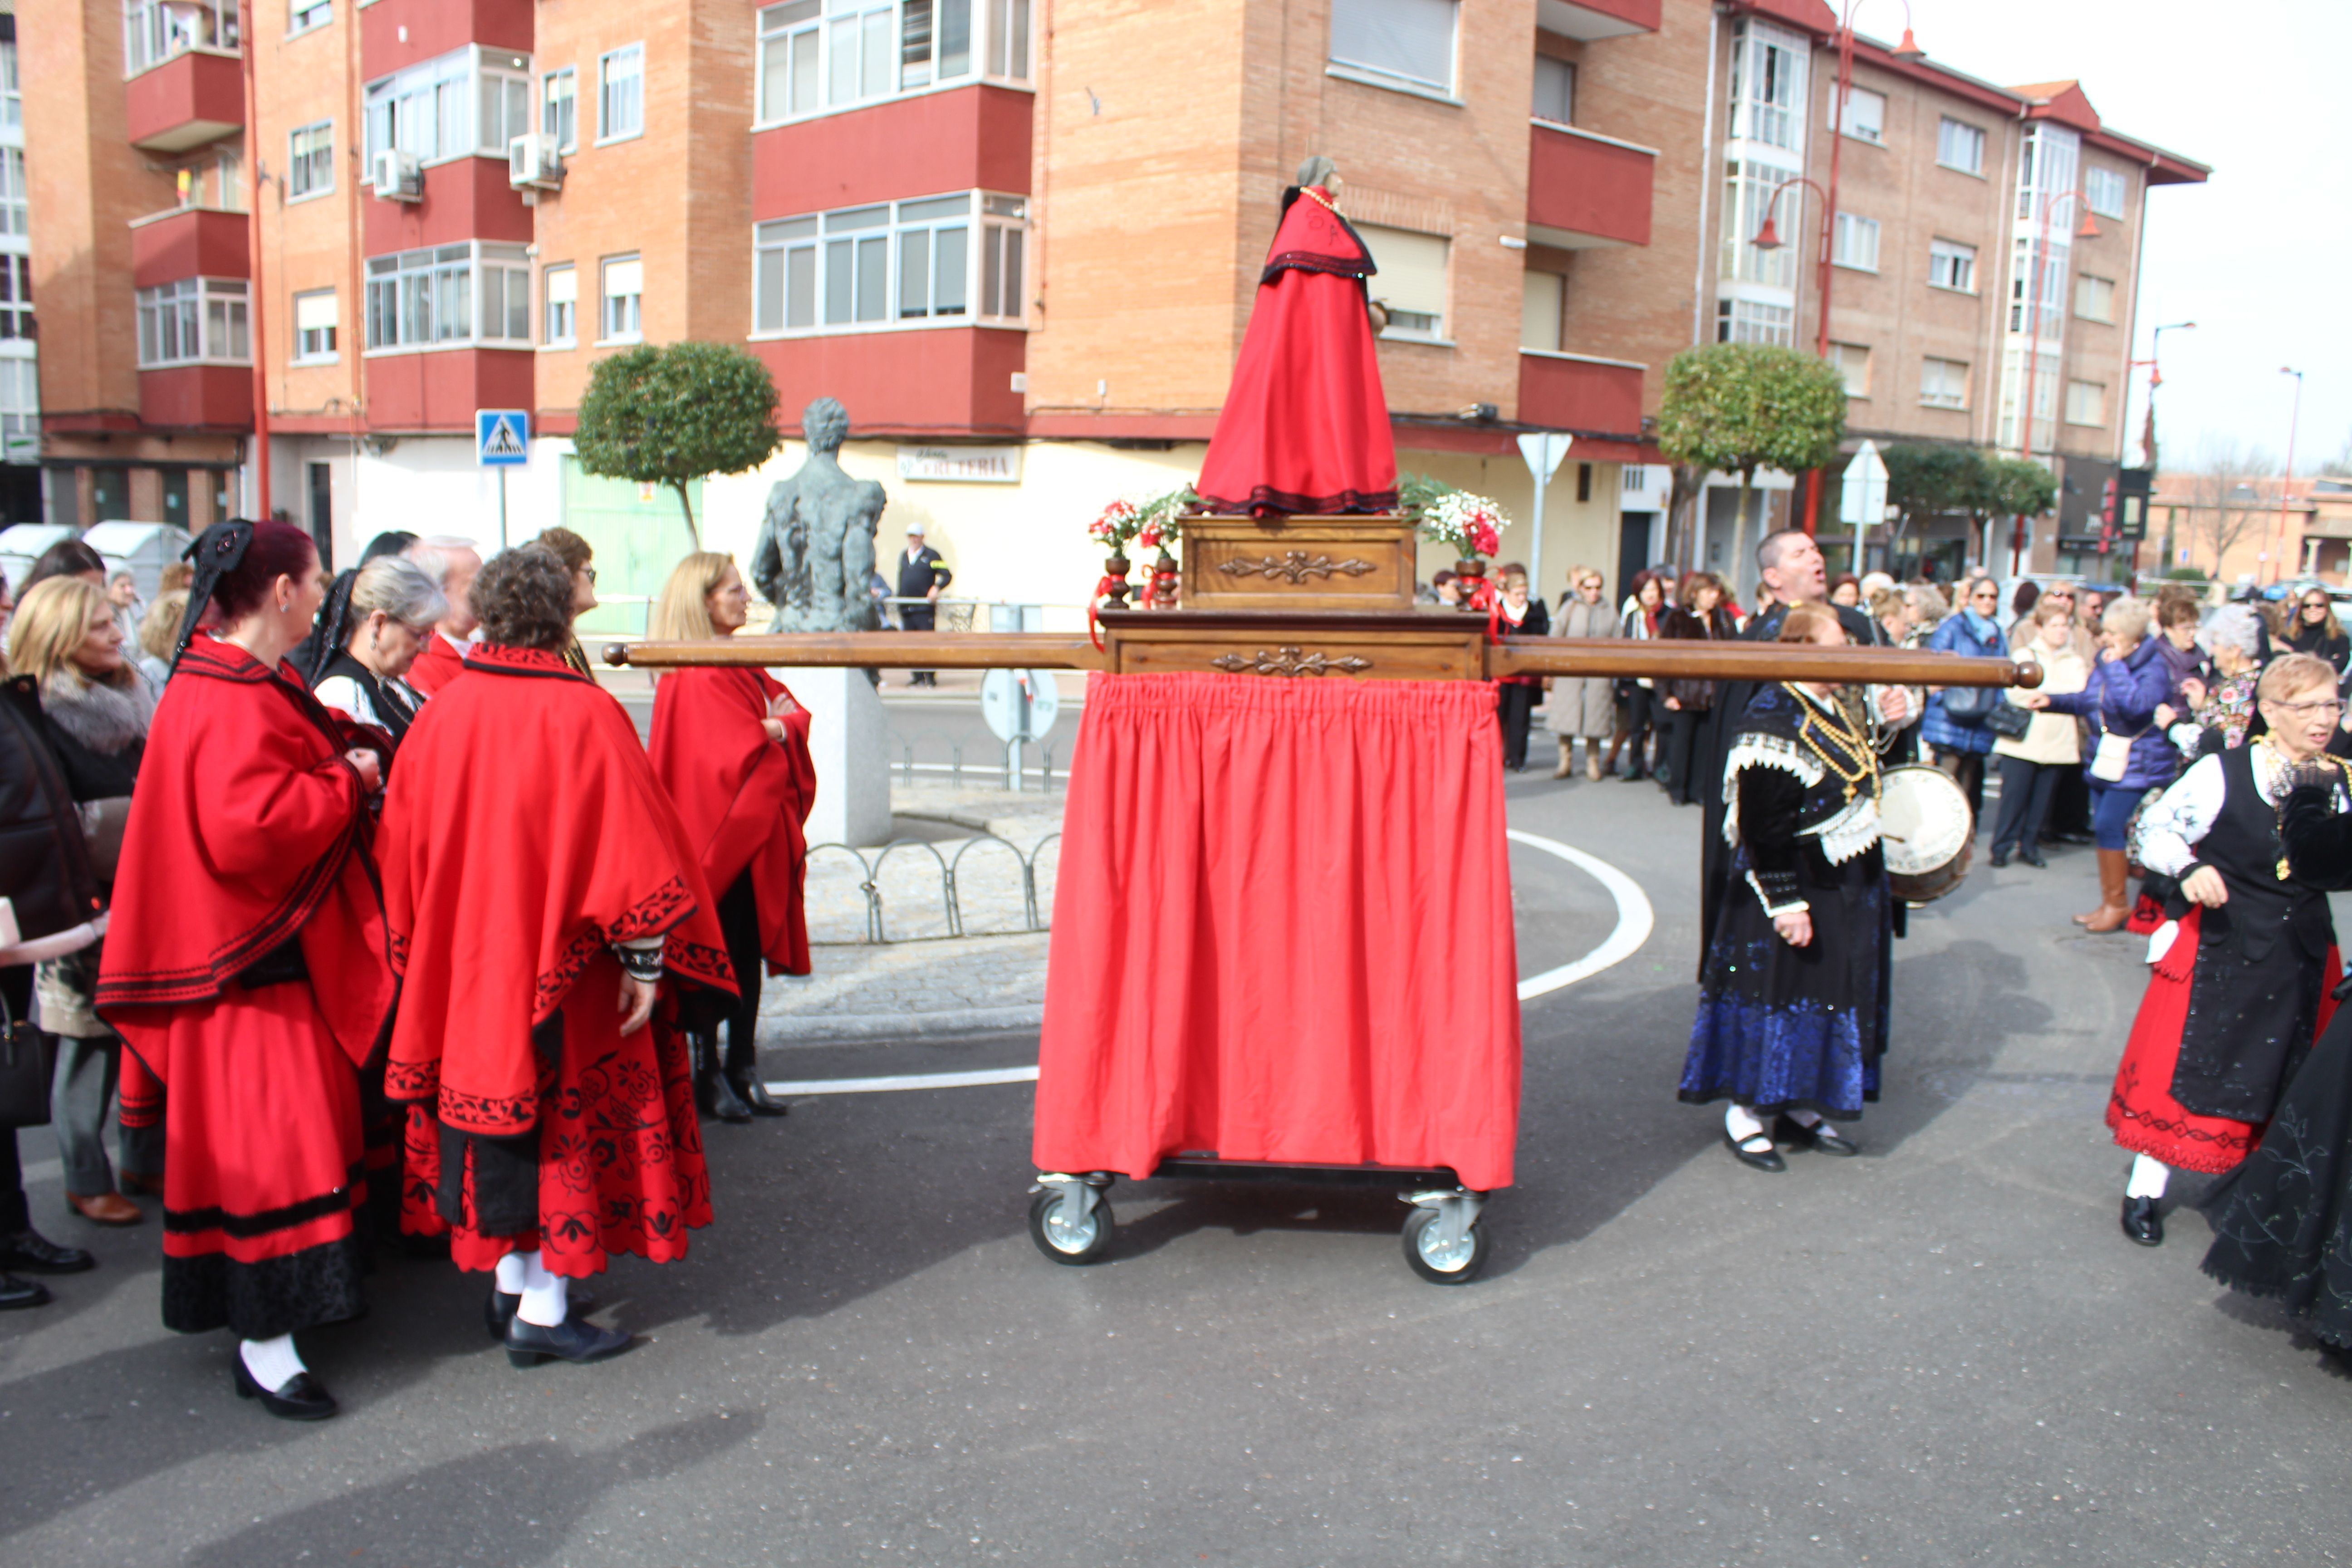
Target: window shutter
pixel 314 312
pixel 1412 274
pixel 624 278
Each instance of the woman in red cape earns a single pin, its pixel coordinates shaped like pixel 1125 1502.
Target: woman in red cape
pixel 246 970
pixel 538 886
pixel 731 748
pixel 1306 426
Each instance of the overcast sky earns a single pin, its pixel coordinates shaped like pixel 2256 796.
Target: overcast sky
pixel 2259 256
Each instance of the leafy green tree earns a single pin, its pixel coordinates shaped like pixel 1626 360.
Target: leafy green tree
pixel 1733 409
pixel 672 414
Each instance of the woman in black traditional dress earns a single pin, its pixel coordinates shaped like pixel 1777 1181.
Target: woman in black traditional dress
pixel 1794 995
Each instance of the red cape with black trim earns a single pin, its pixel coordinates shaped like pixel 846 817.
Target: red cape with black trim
pixel 523 830
pixel 743 797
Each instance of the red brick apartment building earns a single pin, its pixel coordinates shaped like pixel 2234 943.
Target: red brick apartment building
pixel 1020 239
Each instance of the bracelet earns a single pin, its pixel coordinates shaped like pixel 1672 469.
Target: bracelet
pixel 641 962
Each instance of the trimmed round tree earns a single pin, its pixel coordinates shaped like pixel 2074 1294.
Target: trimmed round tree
pixel 1737 407
pixel 675 413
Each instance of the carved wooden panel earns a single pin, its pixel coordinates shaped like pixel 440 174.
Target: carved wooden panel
pixel 1298 564
pixel 1306 647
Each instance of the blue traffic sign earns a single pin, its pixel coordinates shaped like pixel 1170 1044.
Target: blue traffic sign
pixel 501 438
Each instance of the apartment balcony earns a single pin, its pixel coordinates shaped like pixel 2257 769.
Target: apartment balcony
pixel 1586 190
pixel 398 32
pixel 188 242
pixel 939 380
pixel 973 138
pixel 438 389
pixel 193 96
pixel 1590 19
pixel 198 397
pixel 465 198
pixel 1577 392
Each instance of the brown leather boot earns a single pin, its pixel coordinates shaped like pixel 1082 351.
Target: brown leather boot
pixel 2115 886
pixel 1567 758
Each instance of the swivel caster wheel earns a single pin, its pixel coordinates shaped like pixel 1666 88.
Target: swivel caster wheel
pixel 1438 1259
pixel 1071 1222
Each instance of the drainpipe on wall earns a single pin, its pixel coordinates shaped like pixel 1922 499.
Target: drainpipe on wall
pixel 253 291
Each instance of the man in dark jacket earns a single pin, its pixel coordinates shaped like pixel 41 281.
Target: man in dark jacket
pixel 921 575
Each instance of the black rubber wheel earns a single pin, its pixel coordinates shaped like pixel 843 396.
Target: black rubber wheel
pixel 1085 1244
pixel 1459 1269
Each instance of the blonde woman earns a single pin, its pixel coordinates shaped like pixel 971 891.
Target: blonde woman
pixel 95 708
pixel 159 634
pixel 731 748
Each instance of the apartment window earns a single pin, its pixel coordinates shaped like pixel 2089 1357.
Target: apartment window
pixel 2105 189
pixel 2045 297
pixel 1768 77
pixel 196 321
pixel 1555 90
pixel 624 290
pixel 562 295
pixel 559 108
pixel 2086 403
pixel 1951 265
pixel 1748 189
pixel 2046 377
pixel 818 56
pixel 1959 146
pixel 1853 361
pixel 20 398
pixel 154 31
pixel 1410 281
pixel 453 106
pixel 301 15
pixel 1543 306
pixel 1752 321
pixel 14 199
pixel 2046 170
pixel 472 292
pixel 1008 39
pixel 2095 297
pixel 1865 114
pixel 12 97
pixel 908 262
pixel 16 298
pixel 314 327
pixel 1409 42
pixel 229 184
pixel 1944 384
pixel 621 93
pixel 1854 243
pixel 310 160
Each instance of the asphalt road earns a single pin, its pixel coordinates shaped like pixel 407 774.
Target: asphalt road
pixel 1942 1353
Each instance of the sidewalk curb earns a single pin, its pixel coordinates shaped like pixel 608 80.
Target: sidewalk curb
pixel 824 1027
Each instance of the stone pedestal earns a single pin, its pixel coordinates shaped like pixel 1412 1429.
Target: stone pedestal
pixel 849 734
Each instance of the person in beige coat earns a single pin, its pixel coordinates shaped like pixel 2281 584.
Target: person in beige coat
pixel 1582 706
pixel 2031 765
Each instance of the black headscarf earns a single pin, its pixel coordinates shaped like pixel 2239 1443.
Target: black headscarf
pixel 217 552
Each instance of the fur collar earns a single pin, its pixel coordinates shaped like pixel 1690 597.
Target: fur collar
pixel 106 718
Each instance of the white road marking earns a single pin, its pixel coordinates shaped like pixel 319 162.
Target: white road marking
pixel 910 1081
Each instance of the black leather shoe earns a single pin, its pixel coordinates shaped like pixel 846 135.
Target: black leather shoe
pixel 724 1102
pixel 574 1339
pixel 1997 859
pixel 755 1096
pixel 1821 1138
pixel 300 1398
pixel 2032 856
pixel 2070 837
pixel 2142 1222
pixel 35 1254
pixel 499 1312
pixel 16 1293
pixel 1765 1158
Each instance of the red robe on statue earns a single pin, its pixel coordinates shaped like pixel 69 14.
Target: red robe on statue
pixel 246 969
pixel 742 797
pixel 1306 426
pixel 437 664
pixel 523 834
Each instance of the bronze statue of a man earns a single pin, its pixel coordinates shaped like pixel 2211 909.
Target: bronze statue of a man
pixel 815 560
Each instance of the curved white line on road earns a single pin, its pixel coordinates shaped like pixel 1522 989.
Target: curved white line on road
pixel 1635 919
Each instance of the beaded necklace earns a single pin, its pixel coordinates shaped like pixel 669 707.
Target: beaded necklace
pixel 1842 746
pixel 2263 744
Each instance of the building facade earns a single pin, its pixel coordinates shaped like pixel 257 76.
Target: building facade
pixel 1025 263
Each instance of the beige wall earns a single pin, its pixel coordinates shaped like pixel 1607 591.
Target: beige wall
pixel 311 242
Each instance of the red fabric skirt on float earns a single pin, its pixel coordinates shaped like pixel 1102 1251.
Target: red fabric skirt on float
pixel 1283 930
pixel 2141 1111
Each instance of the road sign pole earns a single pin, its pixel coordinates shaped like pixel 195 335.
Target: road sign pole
pixel 502 508
pixel 1542 453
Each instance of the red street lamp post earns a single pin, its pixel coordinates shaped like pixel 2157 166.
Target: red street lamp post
pixel 2039 261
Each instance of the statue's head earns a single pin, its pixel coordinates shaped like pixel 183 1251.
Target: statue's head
pixel 1317 170
pixel 826 425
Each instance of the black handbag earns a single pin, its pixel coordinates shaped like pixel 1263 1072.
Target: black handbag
pixel 2009 720
pixel 28 1061
pixel 1970 705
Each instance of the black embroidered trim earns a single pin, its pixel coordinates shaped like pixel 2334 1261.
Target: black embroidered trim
pixel 548 993
pixel 497 1115
pixel 491 659
pixel 262 1300
pixel 654 914
pixel 245 1226
pixel 1290 502
pixel 412 1080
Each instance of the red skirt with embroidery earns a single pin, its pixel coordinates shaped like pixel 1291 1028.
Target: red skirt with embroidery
pixel 620 1155
pixel 2141 1111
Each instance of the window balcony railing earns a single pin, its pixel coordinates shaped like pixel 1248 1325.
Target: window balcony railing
pixel 1585 189
pixel 157 31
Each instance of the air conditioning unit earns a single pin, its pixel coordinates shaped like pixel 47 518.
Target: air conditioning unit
pixel 534 162
pixel 399 176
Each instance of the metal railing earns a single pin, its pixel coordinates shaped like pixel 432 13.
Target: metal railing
pixel 997 769
pixel 951 884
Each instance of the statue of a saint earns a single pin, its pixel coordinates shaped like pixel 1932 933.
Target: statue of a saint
pixel 815 561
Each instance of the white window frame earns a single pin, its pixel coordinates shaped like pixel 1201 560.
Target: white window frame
pixel 316 162
pixel 307 16
pixel 1749 186
pixel 1373 73
pixel 2086 283
pixel 2052 303
pixel 433 109
pixel 1956 262
pixel 156 32
pixel 17 322
pixel 196 300
pixel 1854 242
pixel 606 84
pixel 1569 67
pixel 306 352
pixel 1407 325
pixel 1000 46
pixel 570 76
pixel 1769 79
pixel 438 277
pixel 1951 132
pixel 610 330
pixel 1936 376
pixel 16 193
pixel 20 396
pixel 802 265
pixel 1871 130
pixel 1738 321
pixel 1847 357
pixel 548 337
pixel 2049 161
pixel 12 91
pixel 2074 399
pixel 2107 190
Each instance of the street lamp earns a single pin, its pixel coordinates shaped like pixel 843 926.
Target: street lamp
pixel 2287 483
pixel 2038 260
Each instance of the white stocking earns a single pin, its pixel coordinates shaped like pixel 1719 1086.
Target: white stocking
pixel 545 1295
pixel 274 1364
pixel 1806 1118
pixel 1741 1122
pixel 513 1273
pixel 2147 1178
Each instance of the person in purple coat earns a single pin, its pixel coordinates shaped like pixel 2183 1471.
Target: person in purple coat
pixel 2131 679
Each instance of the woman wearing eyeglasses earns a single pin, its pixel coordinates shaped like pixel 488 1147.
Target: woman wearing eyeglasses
pixel 1583 707
pixel 2317 631
pixel 1960 739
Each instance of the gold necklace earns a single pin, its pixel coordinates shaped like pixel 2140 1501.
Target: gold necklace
pixel 1821 738
pixel 2278 817
pixel 1319 199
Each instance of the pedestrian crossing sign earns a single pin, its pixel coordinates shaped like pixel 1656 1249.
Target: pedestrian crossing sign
pixel 501 438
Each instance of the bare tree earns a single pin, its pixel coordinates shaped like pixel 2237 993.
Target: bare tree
pixel 2339 467
pixel 2227 504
